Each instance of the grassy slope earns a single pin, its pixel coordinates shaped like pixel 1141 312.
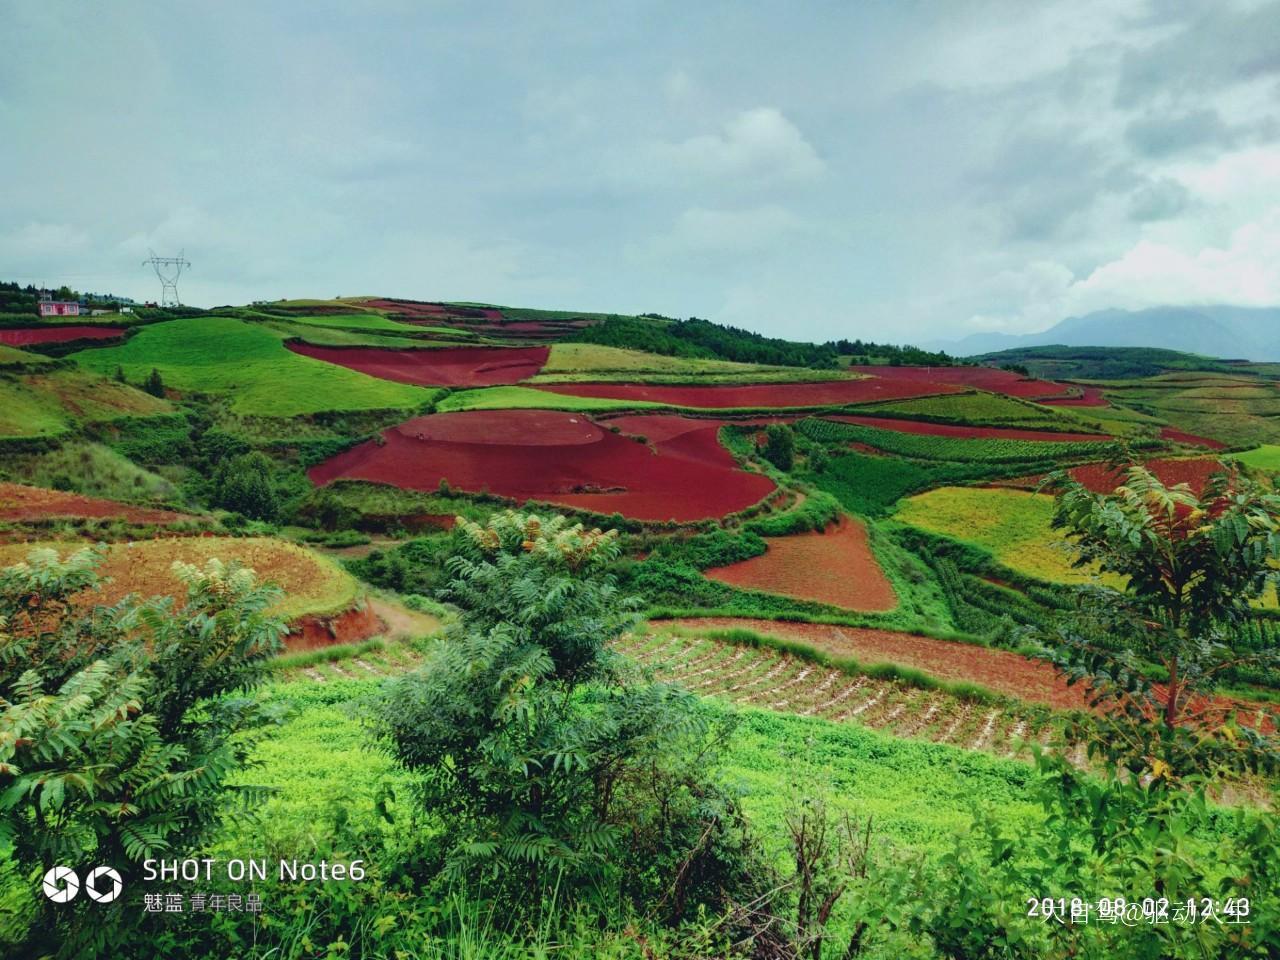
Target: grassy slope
pixel 250 363
pixel 918 793
pixel 1265 457
pixel 49 404
pixel 12 356
pixel 1010 524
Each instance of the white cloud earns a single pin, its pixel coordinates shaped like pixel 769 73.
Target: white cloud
pixel 37 239
pixel 758 144
pixel 699 231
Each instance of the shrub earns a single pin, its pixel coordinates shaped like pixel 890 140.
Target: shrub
pixel 119 729
pixel 543 761
pixel 244 485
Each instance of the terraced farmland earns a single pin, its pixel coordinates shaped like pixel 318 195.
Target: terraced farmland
pixel 766 678
pixel 970 447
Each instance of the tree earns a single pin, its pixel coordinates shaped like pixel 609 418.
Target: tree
pixel 154 384
pixel 1192 566
pixel 120 726
pixel 544 759
pixel 120 374
pixel 780 446
pixel 244 484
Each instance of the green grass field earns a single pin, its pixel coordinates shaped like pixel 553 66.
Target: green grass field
pixel 13 357
pixel 1265 457
pixel 920 794
pixel 1012 525
pixel 249 363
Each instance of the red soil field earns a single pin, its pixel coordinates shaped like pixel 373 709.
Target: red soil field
pixel 560 458
pixel 954 430
pixel 1101 478
pixel 1092 397
pixel 835 567
pixel 1000 670
pixel 351 626
pixel 446 367
pixel 1181 436
pixel 983 378
pixel 22 336
pixel 22 503
pixel 821 394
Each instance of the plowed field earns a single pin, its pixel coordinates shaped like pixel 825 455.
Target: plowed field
pixel 19 502
pixel 680 474
pixel 823 394
pixel 983 378
pixel 446 367
pixel 1181 436
pixel 22 336
pixel 312 584
pixel 835 567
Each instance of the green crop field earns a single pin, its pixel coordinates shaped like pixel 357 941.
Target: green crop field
pixel 52 403
pixel 1011 525
pixel 250 365
pixel 958 449
pixel 376 322
pixel 13 357
pixel 516 398
pixel 978 408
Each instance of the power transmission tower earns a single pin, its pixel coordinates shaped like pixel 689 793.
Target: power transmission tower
pixel 168 269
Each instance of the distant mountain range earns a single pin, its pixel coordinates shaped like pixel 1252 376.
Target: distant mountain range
pixel 1251 333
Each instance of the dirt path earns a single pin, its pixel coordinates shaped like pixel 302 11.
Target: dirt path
pixel 403 623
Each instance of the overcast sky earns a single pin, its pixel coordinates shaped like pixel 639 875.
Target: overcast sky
pixel 894 170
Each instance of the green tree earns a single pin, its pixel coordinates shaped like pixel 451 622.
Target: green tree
pixel 154 384
pixel 244 484
pixel 780 446
pixel 540 754
pixel 1192 564
pixel 119 727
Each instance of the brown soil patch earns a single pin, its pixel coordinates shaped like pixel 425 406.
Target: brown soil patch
pixel 350 626
pixel 835 567
pixel 19 502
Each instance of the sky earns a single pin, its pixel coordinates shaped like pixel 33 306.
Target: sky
pixel 899 171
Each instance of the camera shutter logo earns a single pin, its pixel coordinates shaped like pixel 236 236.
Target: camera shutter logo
pixel 61 884
pixel 103 884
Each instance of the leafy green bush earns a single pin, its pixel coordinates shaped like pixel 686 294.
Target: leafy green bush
pixel 244 485
pixel 545 765
pixel 119 729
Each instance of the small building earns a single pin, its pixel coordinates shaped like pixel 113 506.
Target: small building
pixel 59 308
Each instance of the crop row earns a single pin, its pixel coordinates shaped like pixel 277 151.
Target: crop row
pixel 960 449
pixel 765 678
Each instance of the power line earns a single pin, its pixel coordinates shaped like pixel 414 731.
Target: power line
pixel 168 269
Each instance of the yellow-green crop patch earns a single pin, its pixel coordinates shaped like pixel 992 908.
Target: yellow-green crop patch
pixel 523 398
pixel 1011 525
pixel 570 362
